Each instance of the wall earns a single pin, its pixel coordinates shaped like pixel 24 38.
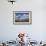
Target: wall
pixel 9 31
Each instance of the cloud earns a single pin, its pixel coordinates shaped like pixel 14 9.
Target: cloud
pixel 24 16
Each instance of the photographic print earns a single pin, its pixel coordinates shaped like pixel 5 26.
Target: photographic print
pixel 22 17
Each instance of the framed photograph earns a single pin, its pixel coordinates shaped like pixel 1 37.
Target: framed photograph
pixel 22 17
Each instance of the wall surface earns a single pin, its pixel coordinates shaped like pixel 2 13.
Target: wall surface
pixel 9 31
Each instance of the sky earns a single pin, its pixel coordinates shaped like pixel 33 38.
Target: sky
pixel 22 15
